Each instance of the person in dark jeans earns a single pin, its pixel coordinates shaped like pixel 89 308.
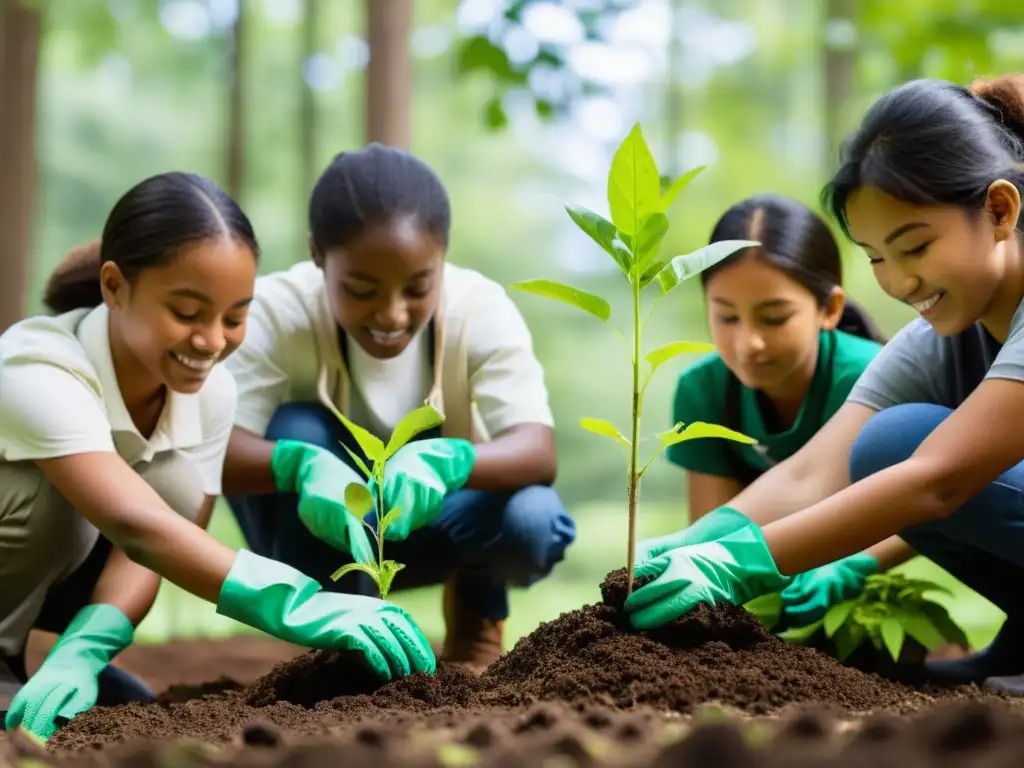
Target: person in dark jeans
pixel 376 324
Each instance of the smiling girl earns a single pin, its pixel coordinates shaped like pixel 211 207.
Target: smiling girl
pixel 374 325
pixel 114 419
pixel 790 347
pixel 928 444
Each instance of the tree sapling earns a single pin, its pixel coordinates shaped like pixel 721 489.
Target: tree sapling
pixel 360 499
pixel 633 239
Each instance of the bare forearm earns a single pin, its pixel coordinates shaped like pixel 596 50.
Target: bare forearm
pixel 788 488
pixel 247 465
pixel 855 519
pixel 135 518
pixel 519 457
pixel 891 552
pixel 127 586
pixel 183 554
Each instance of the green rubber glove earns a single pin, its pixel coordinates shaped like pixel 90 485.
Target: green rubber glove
pixel 66 683
pixel 713 525
pixel 813 592
pixel 419 477
pixel 281 601
pixel 734 569
pixel 320 478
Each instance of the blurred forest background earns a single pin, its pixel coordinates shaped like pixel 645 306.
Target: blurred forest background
pixel 518 104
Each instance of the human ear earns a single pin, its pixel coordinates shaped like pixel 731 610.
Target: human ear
pixel 1003 203
pixel 113 285
pixel 832 312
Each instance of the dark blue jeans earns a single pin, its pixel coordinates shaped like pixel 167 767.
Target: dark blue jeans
pixel 489 541
pixel 982 542
pixel 63 602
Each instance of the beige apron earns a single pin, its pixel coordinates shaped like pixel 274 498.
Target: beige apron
pixel 450 391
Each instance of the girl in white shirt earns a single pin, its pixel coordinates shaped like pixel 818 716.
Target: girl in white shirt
pixel 376 323
pixel 114 418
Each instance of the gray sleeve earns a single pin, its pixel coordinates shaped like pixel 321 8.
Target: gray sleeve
pixel 911 368
pixel 1009 362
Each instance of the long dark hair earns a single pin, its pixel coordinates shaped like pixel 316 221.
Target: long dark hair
pixel 149 226
pixel 798 243
pixel 932 142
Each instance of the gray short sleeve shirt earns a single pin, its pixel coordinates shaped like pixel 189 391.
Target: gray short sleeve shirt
pixel 920 366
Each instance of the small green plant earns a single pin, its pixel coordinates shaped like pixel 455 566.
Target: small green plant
pixel 890 609
pixel 633 239
pixel 360 499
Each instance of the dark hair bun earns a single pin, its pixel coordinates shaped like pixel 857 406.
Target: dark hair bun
pixel 1005 95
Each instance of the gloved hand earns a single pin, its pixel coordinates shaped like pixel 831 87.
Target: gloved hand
pixel 734 568
pixel 66 683
pixel 713 525
pixel 813 592
pixel 320 478
pixel 283 602
pixel 419 477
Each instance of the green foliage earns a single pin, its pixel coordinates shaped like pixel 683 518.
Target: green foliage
pixel 633 239
pixel 891 608
pixel 484 52
pixel 360 500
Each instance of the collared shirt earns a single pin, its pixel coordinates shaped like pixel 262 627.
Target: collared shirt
pixel 59 397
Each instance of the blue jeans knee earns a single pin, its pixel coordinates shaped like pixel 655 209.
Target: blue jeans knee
pixel 502 541
pixel 535 533
pixel 982 542
pixel 892 436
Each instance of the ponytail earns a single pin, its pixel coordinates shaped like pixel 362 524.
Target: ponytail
pixel 857 322
pixel 75 283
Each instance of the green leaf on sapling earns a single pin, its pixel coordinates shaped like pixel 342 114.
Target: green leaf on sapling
pixel 678 186
pixel 389 518
pixel 358 500
pixel 370 570
pixel 837 616
pixel 388 570
pixel 663 354
pixel 588 302
pixel 420 420
pixel 371 445
pixel 604 428
pixel 682 268
pixel 602 232
pixel 893 636
pixel 698 430
pixel 634 187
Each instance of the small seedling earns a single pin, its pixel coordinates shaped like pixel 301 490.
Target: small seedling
pixel 633 239
pixel 361 499
pixel 890 609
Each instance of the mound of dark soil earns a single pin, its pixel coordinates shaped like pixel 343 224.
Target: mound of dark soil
pixel 586 657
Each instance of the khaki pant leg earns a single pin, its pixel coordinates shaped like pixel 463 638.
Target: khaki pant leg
pixel 42 540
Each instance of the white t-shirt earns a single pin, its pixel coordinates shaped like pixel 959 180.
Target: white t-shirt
pixel 291 336
pixel 59 397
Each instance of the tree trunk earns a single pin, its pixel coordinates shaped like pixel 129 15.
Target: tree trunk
pixel 307 102
pixel 389 73
pixel 236 108
pixel 838 81
pixel 20 29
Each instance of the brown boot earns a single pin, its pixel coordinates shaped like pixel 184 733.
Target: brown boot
pixel 471 641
